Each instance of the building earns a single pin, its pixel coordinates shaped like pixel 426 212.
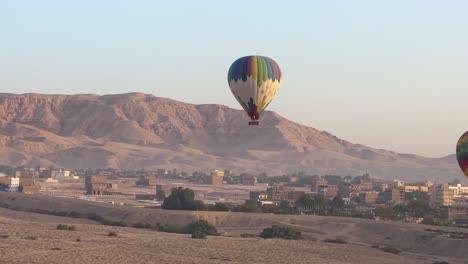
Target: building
pixel 27 181
pixel 354 190
pixel 316 184
pixel 459 190
pixel 29 189
pixel 328 191
pixel 429 184
pixel 256 197
pixel 96 185
pixel 366 186
pixel 461 202
pixel 416 188
pixel 368 197
pixel 161 172
pixel 394 195
pixel 246 179
pixel 279 193
pixel 441 195
pixel 399 184
pixel 215 178
pixel 14 184
pixel 453 213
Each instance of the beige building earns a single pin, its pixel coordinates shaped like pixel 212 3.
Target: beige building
pixel 441 195
pixel 394 195
pixel 215 178
pixel 416 188
pixel 459 190
pixel 96 185
pixel 316 184
pixel 399 184
pixel 368 197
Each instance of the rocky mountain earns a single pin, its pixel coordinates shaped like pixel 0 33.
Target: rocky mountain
pixel 138 130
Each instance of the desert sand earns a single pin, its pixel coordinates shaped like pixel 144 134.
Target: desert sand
pixel 32 238
pixel 418 244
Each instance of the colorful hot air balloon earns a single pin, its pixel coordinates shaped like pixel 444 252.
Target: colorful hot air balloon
pixel 254 81
pixel 462 153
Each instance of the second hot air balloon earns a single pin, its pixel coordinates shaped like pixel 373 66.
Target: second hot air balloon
pixel 462 153
pixel 254 81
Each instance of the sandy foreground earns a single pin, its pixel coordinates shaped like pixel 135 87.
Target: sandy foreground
pixel 33 238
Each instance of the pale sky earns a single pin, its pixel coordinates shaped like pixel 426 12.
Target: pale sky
pixel 387 74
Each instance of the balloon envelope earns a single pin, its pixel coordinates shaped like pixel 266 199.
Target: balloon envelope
pixel 254 81
pixel 462 153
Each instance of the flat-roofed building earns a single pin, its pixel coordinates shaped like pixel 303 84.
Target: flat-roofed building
pixel 248 180
pixel 416 188
pixel 394 195
pixel 459 190
pixel 368 197
pixel 441 195
pixel 215 178
pixel 96 185
pixel 328 191
pixel 316 184
pixel 279 193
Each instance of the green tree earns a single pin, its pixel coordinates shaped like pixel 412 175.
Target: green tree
pixel 221 207
pixel 201 226
pixel 280 232
pixel 182 199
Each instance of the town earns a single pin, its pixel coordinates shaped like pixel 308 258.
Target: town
pixel 298 193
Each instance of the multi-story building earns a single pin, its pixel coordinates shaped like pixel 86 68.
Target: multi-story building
pixel 328 191
pixel 416 188
pixel 279 193
pixel 14 184
pixel 394 195
pixel 441 195
pixel 366 186
pixel 248 179
pixel 316 184
pixel 96 185
pixel 399 184
pixel 459 190
pixel 453 213
pixel 368 197
pixel 215 178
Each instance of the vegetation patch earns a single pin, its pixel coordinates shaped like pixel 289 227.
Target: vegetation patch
pixel 391 250
pixel 335 240
pixel 280 232
pixel 199 235
pixel 66 227
pixel 112 234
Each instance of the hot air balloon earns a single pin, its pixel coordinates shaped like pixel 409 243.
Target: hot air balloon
pixel 462 153
pixel 254 81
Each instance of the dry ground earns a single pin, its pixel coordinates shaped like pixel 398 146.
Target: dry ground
pixel 32 238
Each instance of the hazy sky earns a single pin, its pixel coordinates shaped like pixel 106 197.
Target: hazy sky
pixel 387 74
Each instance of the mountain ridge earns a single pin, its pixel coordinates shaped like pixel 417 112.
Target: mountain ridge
pixel 137 130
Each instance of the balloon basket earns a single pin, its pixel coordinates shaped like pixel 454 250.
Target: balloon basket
pixel 253 123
